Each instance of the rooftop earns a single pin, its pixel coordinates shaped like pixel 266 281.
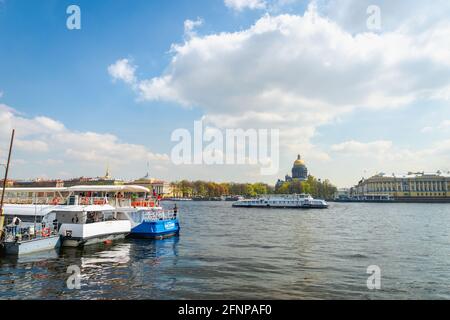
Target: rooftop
pixel 414 175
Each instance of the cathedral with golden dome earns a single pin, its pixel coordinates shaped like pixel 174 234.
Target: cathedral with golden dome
pixel 299 172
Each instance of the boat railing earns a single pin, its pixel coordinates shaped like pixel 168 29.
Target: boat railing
pixel 89 201
pixel 101 201
pixel 35 200
pixel 25 233
pixel 281 196
pixel 143 203
pixel 160 215
pixel 83 200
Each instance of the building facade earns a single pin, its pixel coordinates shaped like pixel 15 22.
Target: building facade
pixel 159 187
pixel 421 186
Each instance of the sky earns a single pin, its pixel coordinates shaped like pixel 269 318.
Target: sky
pixel 353 99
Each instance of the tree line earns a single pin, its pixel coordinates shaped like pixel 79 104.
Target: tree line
pixel 315 187
pixel 206 189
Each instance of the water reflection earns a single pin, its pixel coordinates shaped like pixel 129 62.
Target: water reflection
pixel 43 256
pixel 133 264
pixel 116 255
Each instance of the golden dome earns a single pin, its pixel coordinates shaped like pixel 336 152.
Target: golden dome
pixel 299 162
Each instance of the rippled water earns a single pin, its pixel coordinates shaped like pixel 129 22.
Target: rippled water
pixel 225 252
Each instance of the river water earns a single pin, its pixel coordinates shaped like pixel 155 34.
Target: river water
pixel 230 253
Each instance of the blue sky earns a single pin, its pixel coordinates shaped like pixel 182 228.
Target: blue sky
pixel 62 70
pixel 357 103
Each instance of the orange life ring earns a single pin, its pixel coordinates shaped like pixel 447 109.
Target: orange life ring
pixel 46 232
pixel 100 202
pixel 55 201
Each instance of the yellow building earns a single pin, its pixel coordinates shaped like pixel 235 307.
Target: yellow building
pixel 414 187
pixel 160 187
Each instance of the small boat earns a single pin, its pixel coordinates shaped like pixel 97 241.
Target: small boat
pixel 19 239
pixel 177 199
pixel 296 201
pixel 29 239
pixel 233 198
pixel 154 223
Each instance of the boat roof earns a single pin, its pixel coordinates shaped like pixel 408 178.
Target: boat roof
pixel 27 210
pixel 89 208
pixel 119 188
pixel 35 189
pixel 87 188
pixel 43 210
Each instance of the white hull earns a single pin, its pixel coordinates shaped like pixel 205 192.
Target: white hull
pixel 86 242
pixel 75 235
pixel 32 246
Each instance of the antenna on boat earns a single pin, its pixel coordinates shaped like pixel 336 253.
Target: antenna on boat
pixel 35 211
pixel 148 171
pixel 4 182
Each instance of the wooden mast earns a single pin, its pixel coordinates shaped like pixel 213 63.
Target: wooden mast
pixel 4 183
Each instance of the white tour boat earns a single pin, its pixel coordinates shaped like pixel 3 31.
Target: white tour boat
pixel 89 224
pixel 83 214
pixel 297 201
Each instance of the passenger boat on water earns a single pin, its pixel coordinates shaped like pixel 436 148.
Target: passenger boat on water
pixel 91 214
pixel 154 223
pixel 85 225
pixel 296 201
pixel 15 240
pixel 28 238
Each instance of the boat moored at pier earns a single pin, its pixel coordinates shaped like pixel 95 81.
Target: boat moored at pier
pixel 296 201
pixel 85 225
pixel 91 214
pixel 154 223
pixel 29 238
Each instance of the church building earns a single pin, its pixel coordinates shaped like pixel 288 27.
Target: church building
pixel 299 172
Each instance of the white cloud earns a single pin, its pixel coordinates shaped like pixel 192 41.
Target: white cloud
pixel 51 162
pixel 240 5
pixel 297 73
pixel 123 70
pixel 91 146
pixel 368 158
pixel 352 14
pixel 444 125
pixel 437 154
pixel 31 145
pixel 363 149
pixel 190 25
pixel 426 129
pixel 51 140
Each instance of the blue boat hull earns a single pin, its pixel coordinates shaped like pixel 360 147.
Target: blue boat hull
pixel 156 229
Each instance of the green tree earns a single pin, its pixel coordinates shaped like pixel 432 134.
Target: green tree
pixel 249 191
